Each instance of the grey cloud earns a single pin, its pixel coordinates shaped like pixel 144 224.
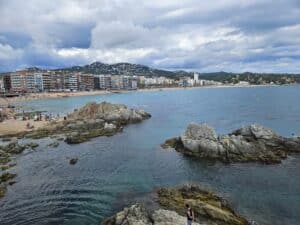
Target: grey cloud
pixel 205 36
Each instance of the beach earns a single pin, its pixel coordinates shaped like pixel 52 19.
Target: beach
pixel 5 101
pixel 12 126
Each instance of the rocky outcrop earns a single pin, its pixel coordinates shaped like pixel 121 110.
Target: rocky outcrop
pixel 138 215
pixel 253 143
pixel 207 206
pixel 92 120
pixel 6 153
pixel 209 209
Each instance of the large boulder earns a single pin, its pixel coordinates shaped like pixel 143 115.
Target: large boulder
pixel 138 215
pixel 253 143
pixel 134 215
pixel 109 112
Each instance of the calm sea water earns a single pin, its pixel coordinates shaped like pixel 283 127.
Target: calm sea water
pixel 114 171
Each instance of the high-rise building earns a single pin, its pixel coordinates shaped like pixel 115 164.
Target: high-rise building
pixel 86 82
pixel 103 82
pixel 7 82
pixel 46 79
pixel 71 82
pixel 196 77
pixel 56 81
pixel 18 82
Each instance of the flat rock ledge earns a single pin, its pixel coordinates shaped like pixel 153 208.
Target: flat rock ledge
pixel 92 120
pixel 253 143
pixel 209 209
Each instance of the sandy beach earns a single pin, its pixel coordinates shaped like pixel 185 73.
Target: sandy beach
pixel 45 95
pixel 12 126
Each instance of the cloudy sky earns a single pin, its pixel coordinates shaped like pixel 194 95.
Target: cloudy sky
pixel 198 35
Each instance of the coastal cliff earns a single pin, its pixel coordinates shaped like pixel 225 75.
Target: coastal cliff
pixel 209 209
pixel 253 143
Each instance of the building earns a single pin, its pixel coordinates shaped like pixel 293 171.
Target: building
pixel 56 81
pixel 102 82
pixel 116 82
pixel 18 82
pixel 7 82
pixel 2 89
pixel 71 82
pixel 196 77
pixel 85 82
pixel 39 82
pixel 47 81
pixel 186 82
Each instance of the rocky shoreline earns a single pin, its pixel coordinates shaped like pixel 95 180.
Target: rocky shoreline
pixel 209 209
pixel 253 143
pixel 92 120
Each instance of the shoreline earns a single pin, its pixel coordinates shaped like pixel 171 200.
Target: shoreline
pixel 4 102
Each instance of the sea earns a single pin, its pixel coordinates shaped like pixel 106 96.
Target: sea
pixel 114 172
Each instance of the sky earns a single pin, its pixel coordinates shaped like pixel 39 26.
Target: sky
pixel 193 35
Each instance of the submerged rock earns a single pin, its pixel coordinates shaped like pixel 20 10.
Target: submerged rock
pixel 253 143
pixel 54 144
pixel 208 208
pixel 7 177
pixel 73 161
pixel 2 191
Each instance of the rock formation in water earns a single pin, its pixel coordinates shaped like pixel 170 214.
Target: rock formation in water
pixel 92 120
pixel 6 153
pixel 252 143
pixel 209 209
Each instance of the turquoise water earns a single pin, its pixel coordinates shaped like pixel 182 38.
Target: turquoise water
pixel 115 171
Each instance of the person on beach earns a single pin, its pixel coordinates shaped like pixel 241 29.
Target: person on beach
pixel 189 215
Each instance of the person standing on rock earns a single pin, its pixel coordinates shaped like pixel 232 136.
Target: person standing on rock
pixel 189 215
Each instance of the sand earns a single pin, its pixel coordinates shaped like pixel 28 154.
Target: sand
pixel 12 126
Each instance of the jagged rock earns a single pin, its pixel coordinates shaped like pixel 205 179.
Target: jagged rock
pixel 134 215
pixel 2 191
pixel 54 144
pixel 13 148
pixel 209 209
pixel 248 144
pixel 109 126
pixel 166 217
pixel 138 215
pixel 32 145
pixel 92 120
pixel 207 206
pixel 109 112
pixel 6 177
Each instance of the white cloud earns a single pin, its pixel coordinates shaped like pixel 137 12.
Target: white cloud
pixel 195 35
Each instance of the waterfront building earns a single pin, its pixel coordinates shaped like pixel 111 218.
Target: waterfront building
pixel 7 82
pixel 71 82
pixel 102 82
pixel 196 77
pixel 18 82
pixel 2 89
pixel 186 82
pixel 116 82
pixel 56 81
pixel 86 82
pixel 46 79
